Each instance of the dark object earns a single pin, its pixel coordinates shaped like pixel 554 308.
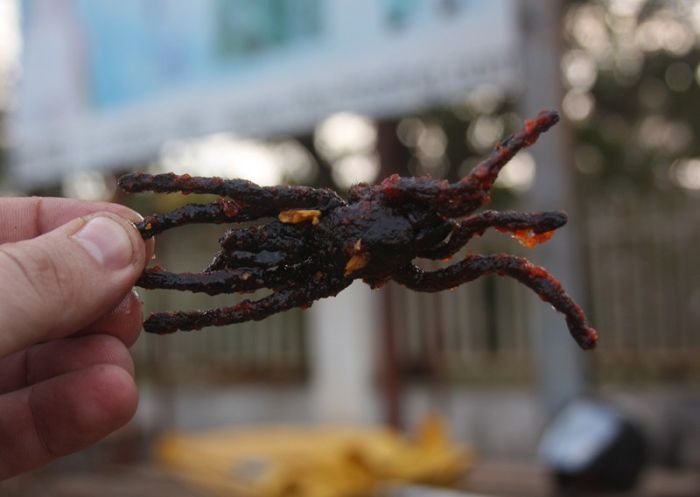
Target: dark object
pixel 591 447
pixel 320 243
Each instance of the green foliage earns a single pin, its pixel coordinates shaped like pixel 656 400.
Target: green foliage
pixel 639 137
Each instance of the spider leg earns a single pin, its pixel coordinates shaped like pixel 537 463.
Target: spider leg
pixel 246 200
pixel 530 227
pixel 466 195
pixel 221 211
pixel 266 245
pixel 209 282
pixel 534 277
pixel 247 310
pixel 269 199
pixel 485 173
pixel 243 258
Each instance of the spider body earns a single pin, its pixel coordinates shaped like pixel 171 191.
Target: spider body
pixel 370 238
pixel 312 244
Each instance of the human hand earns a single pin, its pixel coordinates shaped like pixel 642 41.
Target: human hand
pixel 67 317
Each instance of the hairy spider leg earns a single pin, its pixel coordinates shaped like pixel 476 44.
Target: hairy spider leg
pixel 267 198
pixel 266 245
pixel 211 282
pixel 518 223
pixel 274 235
pixel 464 196
pixel 244 258
pixel 534 277
pixel 484 174
pixel 245 200
pixel 239 279
pixel 247 310
pixel 219 212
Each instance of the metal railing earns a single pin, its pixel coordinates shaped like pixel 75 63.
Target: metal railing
pixel 643 280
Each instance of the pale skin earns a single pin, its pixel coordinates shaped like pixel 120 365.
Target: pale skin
pixel 68 315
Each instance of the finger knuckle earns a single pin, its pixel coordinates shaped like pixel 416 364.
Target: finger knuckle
pixel 109 349
pixel 37 277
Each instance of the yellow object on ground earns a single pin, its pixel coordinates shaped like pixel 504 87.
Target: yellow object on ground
pixel 312 462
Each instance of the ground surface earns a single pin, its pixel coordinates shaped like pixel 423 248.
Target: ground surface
pixel 488 478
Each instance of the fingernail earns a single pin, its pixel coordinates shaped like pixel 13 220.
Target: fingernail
pixel 106 241
pixel 129 303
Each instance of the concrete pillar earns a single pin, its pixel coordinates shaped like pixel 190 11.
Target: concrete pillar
pixel 343 331
pixel 558 361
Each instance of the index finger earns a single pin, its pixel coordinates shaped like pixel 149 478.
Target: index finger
pixel 22 218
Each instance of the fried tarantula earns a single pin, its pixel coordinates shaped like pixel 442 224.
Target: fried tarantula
pixel 314 243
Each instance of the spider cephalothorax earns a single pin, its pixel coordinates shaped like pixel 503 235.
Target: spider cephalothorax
pixel 312 244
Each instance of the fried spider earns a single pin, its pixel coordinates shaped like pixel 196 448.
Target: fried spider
pixel 313 244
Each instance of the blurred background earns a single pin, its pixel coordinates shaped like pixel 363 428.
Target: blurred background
pixel 479 388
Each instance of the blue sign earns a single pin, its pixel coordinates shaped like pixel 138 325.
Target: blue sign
pixel 106 83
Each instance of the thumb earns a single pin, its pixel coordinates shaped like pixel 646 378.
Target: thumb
pixel 59 282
